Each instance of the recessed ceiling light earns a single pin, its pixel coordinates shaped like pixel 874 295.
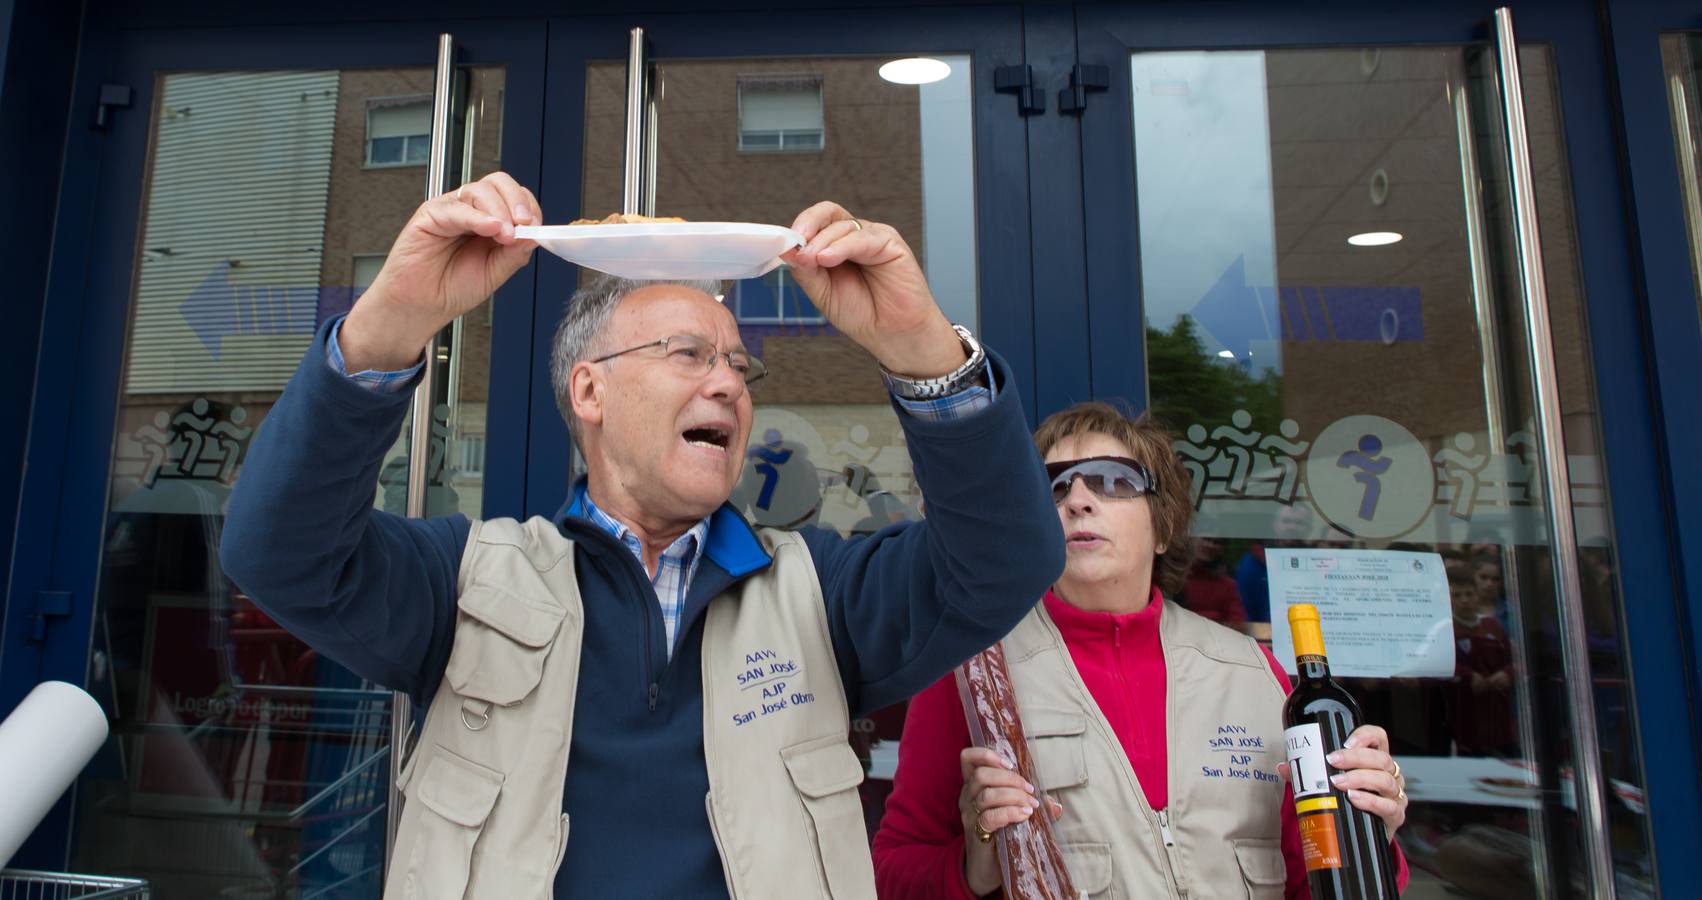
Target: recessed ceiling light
pixel 1375 238
pixel 915 70
pixel 1226 354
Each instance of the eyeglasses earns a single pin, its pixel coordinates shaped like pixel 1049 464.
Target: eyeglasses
pixel 1110 477
pixel 696 356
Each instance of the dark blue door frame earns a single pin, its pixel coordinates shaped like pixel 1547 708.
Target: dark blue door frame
pixel 80 371
pixel 1656 629
pixel 991 35
pixel 1668 291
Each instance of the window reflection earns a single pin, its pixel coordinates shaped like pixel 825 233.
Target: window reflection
pixel 1334 331
pixel 242 763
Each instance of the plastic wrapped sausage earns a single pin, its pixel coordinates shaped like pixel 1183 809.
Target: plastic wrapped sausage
pixel 1029 861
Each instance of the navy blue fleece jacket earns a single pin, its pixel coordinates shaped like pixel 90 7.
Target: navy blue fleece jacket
pixel 376 592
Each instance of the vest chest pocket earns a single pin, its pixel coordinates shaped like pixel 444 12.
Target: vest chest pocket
pixel 1056 741
pixel 501 641
pixel 1262 867
pixel 826 773
pixel 457 796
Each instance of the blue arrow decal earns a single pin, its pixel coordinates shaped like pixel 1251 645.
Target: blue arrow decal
pixel 218 309
pixel 1237 314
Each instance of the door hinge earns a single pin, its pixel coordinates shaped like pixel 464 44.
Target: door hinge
pixel 1083 79
pixel 48 603
pixel 112 96
pixel 1019 80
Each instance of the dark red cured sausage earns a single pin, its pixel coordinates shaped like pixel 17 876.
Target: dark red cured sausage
pixel 1029 860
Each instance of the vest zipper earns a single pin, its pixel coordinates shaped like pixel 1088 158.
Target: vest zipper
pixel 1170 848
pixel 645 593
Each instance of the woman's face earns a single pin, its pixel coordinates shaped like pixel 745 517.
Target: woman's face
pixel 1106 540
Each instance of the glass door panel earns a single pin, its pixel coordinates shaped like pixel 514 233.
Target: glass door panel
pixel 1330 306
pixel 1681 58
pixel 759 140
pixel 241 762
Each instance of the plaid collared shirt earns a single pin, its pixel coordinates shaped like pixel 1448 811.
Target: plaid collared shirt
pixel 674 571
pixel 678 564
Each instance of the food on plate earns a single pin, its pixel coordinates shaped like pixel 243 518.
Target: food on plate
pixel 626 219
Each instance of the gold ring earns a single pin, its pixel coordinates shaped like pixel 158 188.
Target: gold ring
pixel 982 834
pixel 458 193
pixel 859 225
pixel 1401 797
pixel 1397 772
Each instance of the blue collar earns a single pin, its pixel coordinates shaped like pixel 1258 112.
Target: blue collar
pixel 731 543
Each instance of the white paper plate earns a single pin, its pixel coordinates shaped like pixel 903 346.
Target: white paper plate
pixel 729 250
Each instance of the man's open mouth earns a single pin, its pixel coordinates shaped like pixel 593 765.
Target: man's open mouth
pixel 708 436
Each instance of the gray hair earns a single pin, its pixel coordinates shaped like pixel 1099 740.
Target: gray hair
pixel 580 336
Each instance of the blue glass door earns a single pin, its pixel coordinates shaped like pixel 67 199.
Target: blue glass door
pixel 248 191
pixel 1309 252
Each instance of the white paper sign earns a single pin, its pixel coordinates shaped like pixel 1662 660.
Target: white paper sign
pixel 1385 613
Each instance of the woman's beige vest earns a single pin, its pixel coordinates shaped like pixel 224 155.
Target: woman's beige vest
pixel 483 812
pixel 1220 836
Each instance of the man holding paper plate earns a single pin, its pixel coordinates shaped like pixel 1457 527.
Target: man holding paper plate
pixel 645 696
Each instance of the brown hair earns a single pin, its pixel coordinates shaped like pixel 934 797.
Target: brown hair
pixel 1152 446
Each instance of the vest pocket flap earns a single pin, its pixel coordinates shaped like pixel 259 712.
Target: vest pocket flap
pixel 823 766
pixel 529 624
pixel 1052 723
pixel 500 645
pixel 1089 866
pixel 1055 741
pixel 1261 861
pixel 459 790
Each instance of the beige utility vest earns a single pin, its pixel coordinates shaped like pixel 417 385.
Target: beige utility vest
pixel 1221 835
pixel 483 813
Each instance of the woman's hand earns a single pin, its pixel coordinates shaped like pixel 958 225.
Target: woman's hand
pixel 993 796
pixel 1370 776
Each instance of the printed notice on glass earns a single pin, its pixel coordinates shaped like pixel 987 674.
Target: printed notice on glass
pixel 1385 613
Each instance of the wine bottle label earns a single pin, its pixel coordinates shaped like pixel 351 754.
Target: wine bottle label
pixel 1307 770
pixel 1319 845
pixel 1315 802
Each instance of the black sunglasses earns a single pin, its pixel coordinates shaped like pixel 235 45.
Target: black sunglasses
pixel 1110 477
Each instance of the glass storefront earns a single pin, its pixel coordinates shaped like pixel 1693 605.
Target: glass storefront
pixel 241 762
pixel 1330 320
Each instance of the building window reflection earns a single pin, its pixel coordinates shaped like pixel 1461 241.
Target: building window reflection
pixel 780 114
pixel 398 131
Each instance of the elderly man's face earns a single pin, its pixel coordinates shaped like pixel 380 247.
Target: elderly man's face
pixel 672 437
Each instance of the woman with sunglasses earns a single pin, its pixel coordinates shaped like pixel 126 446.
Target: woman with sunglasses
pixel 1156 734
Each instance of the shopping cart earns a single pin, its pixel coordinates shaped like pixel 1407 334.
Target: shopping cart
pixel 21 884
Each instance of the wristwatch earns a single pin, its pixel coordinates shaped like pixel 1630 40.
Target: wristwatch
pixel 972 372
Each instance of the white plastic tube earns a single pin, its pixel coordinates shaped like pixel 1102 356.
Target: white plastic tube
pixel 44 743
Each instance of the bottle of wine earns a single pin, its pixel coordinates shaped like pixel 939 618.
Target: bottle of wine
pixel 1346 849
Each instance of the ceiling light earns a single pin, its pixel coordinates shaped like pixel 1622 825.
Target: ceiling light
pixel 1375 238
pixel 915 70
pixel 1226 354
pixel 720 298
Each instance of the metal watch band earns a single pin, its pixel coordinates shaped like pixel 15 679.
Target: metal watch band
pixel 956 380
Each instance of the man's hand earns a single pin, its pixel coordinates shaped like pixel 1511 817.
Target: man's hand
pixel 455 251
pixel 867 282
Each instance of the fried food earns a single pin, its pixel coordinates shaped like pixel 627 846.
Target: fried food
pixel 626 219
